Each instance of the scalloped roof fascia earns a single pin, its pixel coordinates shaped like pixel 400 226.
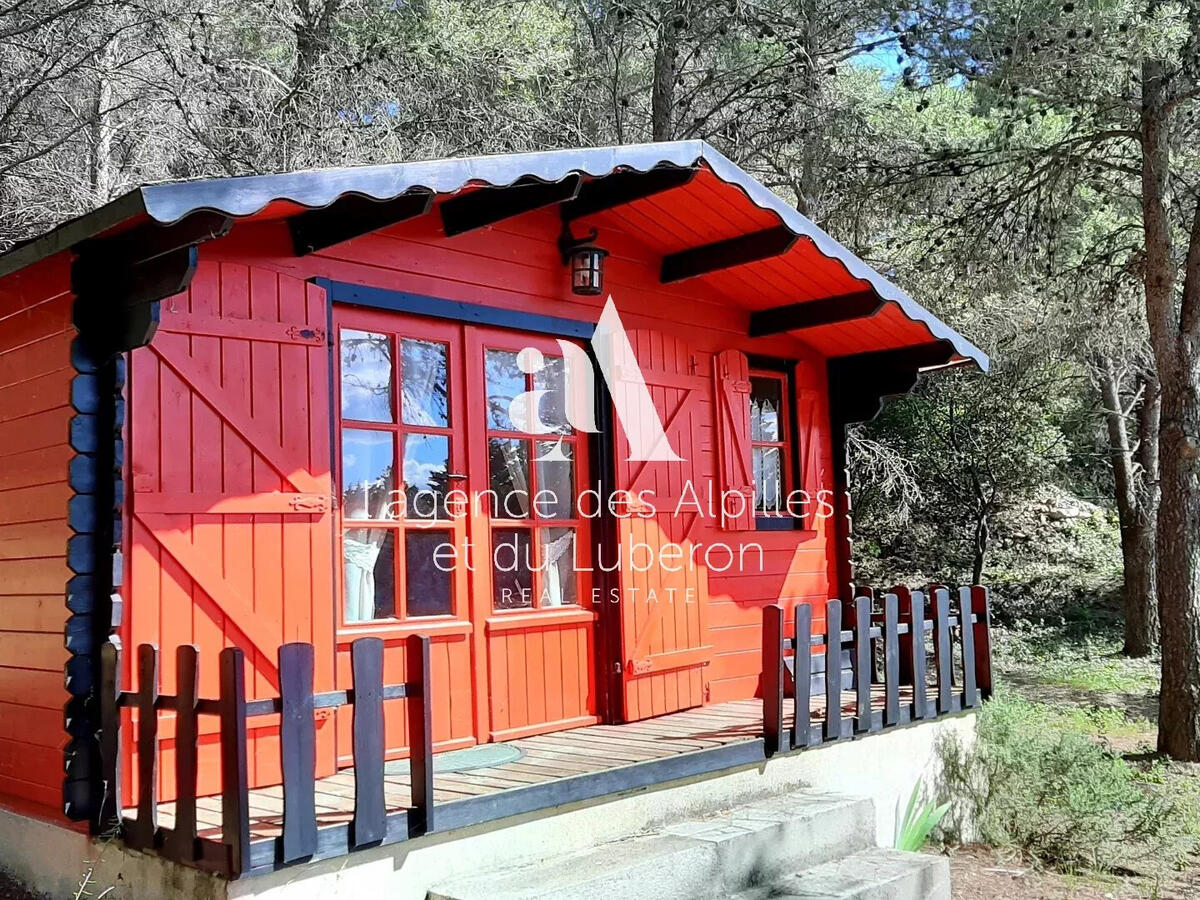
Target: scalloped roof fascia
pixel 247 195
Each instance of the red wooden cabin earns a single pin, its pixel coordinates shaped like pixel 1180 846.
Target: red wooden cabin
pixel 224 403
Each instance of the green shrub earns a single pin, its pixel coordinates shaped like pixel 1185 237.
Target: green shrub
pixel 1055 793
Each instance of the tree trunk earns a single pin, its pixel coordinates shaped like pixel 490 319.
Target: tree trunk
pixel 1173 335
pixel 662 97
pixel 981 547
pixel 1137 527
pixel 1145 637
pixel 100 128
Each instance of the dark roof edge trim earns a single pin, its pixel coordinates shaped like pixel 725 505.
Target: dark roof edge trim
pixel 246 195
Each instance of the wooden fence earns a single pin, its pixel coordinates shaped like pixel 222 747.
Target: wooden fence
pixel 891 628
pixel 296 705
pixel 880 656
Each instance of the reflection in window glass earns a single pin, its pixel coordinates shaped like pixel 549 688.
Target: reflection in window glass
pixel 368 474
pixel 766 404
pixel 427 572
pixel 424 383
pixel 366 376
pixel 426 475
pixel 368 556
pixel 508 465
pixel 555 497
pixel 558 567
pixel 512 564
pixel 768 479
pixel 552 408
pixel 505 381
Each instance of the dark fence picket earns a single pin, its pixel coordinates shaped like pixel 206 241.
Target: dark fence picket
pixel 917 658
pixel 904 606
pixel 108 815
pixel 181 845
pixel 235 791
pixel 966 634
pixel 873 666
pixel 772 678
pixel 141 833
pixel 370 809
pixel 298 751
pixel 420 734
pixel 864 720
pixel 891 659
pixel 802 680
pixel 981 607
pixel 942 654
pixel 833 670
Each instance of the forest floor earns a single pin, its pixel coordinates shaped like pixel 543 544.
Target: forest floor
pixel 1088 687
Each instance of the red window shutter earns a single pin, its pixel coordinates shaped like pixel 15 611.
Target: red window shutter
pixel 808 433
pixel 735 466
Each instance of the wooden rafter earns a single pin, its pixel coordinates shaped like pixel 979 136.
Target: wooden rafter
pixel 489 205
pixel 353 216
pixel 736 251
pixel 814 313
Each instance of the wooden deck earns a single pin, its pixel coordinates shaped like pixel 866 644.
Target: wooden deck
pixel 545 758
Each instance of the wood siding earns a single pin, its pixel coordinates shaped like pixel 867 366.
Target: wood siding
pixel 516 265
pixel 35 384
pixel 229 539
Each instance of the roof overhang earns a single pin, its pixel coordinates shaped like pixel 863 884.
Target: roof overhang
pixel 707 217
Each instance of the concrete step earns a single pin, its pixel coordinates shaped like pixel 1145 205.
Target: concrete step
pixel 874 874
pixel 754 844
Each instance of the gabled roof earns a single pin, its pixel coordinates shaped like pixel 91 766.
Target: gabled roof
pixel 798 282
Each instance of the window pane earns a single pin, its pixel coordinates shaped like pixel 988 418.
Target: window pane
pixel 558 562
pixel 512 565
pixel 367 376
pixel 368 474
pixel 426 471
pixel 368 555
pixel 424 383
pixel 427 572
pixel 552 408
pixel 768 479
pixel 766 407
pixel 508 464
pixel 505 381
pixel 555 497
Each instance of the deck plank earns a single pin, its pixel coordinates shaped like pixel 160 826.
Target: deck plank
pixel 547 757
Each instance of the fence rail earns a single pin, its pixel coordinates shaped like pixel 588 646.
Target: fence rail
pixel 896 635
pixel 881 643
pixel 296 706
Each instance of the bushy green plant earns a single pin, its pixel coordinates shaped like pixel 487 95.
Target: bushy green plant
pixel 1055 793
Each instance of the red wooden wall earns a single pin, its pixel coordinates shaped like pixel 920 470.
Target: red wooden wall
pixel 35 378
pixel 516 265
pixel 229 442
pixel 229 493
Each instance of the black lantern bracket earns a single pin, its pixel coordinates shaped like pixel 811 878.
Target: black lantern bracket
pixel 568 243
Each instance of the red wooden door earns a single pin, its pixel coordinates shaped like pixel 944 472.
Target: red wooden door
pixel 230 542
pixel 440 534
pixel 402 456
pixel 664 599
pixel 533 543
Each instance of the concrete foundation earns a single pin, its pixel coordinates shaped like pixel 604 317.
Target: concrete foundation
pixel 882 767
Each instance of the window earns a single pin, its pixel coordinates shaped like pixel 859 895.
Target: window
pixel 396 440
pixel 770 443
pixel 532 483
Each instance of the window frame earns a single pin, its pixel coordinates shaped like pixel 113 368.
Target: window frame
pixel 398 431
pixel 782 370
pixel 534 525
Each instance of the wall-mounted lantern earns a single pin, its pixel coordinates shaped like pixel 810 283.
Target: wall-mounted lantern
pixel 586 262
